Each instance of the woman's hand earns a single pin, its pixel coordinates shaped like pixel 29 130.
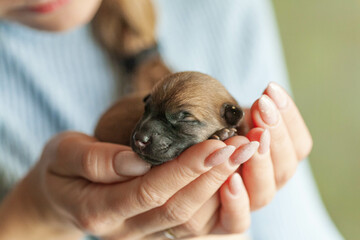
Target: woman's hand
pixel 80 185
pixel 40 205
pixel 284 143
pixel 228 210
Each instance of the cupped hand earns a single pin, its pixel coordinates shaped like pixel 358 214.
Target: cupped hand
pixel 284 141
pixel 194 210
pixel 81 185
pixel 84 186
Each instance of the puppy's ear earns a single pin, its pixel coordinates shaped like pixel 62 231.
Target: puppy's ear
pixel 146 98
pixel 232 114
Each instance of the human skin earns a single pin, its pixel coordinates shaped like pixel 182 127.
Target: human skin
pixel 60 15
pixel 72 193
pixel 69 192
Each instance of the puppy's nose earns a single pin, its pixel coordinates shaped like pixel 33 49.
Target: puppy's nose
pixel 141 140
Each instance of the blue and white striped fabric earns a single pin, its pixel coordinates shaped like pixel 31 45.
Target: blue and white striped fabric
pixel 48 83
pixel 55 82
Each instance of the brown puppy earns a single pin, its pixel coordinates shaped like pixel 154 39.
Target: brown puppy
pixel 182 109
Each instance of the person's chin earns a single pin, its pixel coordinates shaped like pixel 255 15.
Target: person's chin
pixel 52 27
pixel 61 20
pixel 50 23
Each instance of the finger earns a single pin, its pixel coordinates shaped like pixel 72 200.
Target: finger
pixel 79 155
pixel 266 115
pixel 202 221
pixel 258 172
pixel 247 118
pixel 237 141
pixel 296 126
pixel 183 205
pixel 158 185
pixel 235 208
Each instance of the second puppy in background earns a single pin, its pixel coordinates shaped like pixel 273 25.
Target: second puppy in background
pixel 182 109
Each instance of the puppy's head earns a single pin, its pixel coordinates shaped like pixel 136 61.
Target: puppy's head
pixel 183 109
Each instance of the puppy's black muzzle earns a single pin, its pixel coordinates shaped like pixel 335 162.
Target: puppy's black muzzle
pixel 152 142
pixel 141 140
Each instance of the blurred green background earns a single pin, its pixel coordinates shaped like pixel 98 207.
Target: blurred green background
pixel 321 40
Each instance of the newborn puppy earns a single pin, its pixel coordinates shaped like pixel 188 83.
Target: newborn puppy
pixel 182 109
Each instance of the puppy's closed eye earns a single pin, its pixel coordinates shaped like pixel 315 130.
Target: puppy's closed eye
pixel 186 117
pixel 182 117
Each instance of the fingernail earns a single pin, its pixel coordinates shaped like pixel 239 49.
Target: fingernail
pixel 128 163
pixel 219 156
pixel 268 110
pixel 278 95
pixel 243 153
pixel 264 142
pixel 235 184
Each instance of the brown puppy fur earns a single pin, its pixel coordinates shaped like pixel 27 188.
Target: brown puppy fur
pixel 182 109
pixel 127 30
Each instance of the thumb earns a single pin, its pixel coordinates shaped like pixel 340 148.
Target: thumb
pixel 75 154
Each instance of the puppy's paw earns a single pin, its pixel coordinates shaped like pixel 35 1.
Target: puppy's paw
pixel 224 134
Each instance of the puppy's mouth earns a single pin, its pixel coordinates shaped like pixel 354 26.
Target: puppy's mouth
pixel 162 148
pixel 154 160
pixel 155 155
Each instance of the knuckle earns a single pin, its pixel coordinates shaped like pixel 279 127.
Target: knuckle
pixel 116 206
pixel 242 226
pixel 90 161
pixel 186 172
pixel 305 149
pixel 59 144
pixel 218 177
pixel 91 223
pixel 262 201
pixel 238 225
pixel 292 118
pixel 215 178
pixel 193 227
pixel 280 138
pixel 175 214
pixel 283 176
pixel 150 196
